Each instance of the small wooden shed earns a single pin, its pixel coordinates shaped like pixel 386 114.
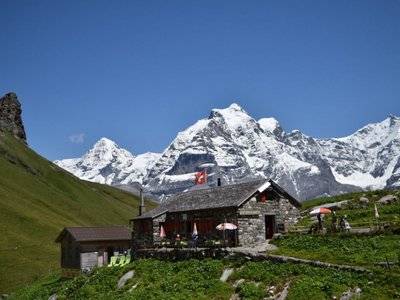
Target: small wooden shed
pixel 83 248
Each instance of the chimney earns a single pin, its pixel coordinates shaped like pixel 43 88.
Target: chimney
pixel 219 182
pixel 142 208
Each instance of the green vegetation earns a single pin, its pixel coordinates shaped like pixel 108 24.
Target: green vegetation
pixel 366 250
pixel 194 279
pixel 358 214
pixel 371 195
pixel 37 200
pixel 343 248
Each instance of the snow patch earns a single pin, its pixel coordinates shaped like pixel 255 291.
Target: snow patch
pixel 364 180
pixel 268 124
pixel 178 178
pixel 292 164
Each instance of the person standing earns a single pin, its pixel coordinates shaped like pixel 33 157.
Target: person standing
pixel 194 239
pixel 347 226
pixel 334 222
pixel 320 225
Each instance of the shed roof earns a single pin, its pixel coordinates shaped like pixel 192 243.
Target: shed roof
pixel 216 197
pixel 91 234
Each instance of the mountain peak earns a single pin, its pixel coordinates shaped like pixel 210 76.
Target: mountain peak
pixel 236 107
pixel 393 120
pixel 234 116
pixel 105 142
pixel 231 109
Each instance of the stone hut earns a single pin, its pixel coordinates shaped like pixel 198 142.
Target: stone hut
pixel 83 248
pixel 258 209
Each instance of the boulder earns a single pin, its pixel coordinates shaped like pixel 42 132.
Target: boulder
pixel 351 294
pixel 225 275
pixel 124 279
pixel 364 202
pixel 389 199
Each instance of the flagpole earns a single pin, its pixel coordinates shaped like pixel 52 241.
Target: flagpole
pixel 376 214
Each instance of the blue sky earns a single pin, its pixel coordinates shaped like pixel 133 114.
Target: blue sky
pixel 138 72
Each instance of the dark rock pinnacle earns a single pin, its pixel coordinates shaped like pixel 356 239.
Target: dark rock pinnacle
pixel 10 116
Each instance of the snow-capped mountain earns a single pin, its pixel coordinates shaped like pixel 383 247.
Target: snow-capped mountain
pixel 107 163
pixel 233 146
pixel 370 158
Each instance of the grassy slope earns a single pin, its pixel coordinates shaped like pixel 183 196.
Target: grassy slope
pixel 358 216
pixel 37 199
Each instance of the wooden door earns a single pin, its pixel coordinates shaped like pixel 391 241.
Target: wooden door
pixel 269 227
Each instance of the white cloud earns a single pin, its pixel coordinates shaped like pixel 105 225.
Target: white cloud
pixel 77 138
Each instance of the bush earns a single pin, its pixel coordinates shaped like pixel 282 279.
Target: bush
pixel 249 290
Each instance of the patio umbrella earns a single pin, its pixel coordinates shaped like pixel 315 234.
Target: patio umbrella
pixel 320 210
pixel 162 232
pixel 195 229
pixel 226 226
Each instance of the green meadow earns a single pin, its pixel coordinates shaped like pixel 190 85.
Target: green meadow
pixel 200 279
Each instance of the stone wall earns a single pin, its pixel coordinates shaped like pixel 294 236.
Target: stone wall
pixel 156 228
pixel 142 238
pixel 251 218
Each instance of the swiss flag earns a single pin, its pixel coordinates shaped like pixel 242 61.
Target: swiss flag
pixel 200 178
pixel 376 213
pixel 263 197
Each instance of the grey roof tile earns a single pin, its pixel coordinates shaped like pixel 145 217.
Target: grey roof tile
pixel 211 198
pixel 104 233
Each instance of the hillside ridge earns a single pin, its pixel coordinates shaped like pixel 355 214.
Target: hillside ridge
pixel 37 200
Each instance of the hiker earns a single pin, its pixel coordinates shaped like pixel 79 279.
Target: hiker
pixel 346 224
pixel 177 240
pixel 312 229
pixel 194 239
pixel 320 223
pixel 341 224
pixel 334 222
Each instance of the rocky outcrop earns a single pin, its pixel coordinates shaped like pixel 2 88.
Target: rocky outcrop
pixel 10 116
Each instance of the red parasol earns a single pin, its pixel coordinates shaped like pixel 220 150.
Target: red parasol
pixel 226 226
pixel 320 210
pixel 162 232
pixel 194 229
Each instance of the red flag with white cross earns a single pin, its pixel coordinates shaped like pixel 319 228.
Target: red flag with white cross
pixel 200 178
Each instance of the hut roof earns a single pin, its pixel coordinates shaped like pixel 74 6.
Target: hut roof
pixel 90 234
pixel 216 197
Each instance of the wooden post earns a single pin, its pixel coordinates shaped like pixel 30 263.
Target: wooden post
pixel 142 207
pixel 388 264
pixel 398 259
